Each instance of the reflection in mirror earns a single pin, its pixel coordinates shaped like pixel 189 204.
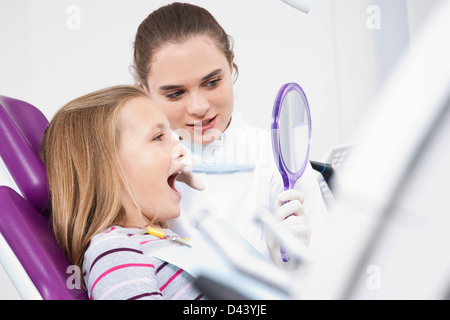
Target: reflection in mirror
pixel 294 131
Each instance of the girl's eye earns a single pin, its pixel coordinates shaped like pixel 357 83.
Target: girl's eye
pixel 159 137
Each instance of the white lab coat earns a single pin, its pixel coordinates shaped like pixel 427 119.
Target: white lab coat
pixel 236 197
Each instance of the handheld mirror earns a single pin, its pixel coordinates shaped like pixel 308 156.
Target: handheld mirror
pixel 291 136
pixel 291 133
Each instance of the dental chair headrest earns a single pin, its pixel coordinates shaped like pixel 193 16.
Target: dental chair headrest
pixel 21 130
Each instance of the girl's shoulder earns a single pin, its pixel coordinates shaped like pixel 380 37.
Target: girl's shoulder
pixel 113 238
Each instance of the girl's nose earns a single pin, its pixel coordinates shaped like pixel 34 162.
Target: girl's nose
pixel 178 152
pixel 182 156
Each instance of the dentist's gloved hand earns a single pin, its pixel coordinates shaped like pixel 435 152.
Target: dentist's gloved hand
pixel 290 213
pixel 187 176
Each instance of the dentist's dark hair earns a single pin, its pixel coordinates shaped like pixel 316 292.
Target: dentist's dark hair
pixel 175 23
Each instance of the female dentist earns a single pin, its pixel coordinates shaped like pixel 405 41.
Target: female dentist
pixel 184 61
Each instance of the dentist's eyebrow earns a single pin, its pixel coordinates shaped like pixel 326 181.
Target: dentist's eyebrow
pixel 174 86
pixel 170 87
pixel 212 74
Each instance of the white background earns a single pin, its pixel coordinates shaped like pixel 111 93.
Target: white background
pixel 335 53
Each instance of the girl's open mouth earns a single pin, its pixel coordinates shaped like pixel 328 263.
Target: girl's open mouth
pixel 171 182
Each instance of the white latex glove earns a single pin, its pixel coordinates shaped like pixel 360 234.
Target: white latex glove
pixel 289 211
pixel 187 176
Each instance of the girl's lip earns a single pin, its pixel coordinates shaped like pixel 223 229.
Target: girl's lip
pixel 205 125
pixel 175 191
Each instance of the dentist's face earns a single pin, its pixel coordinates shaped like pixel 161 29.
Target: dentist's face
pixel 192 83
pixel 150 160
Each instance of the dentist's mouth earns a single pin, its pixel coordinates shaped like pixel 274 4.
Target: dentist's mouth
pixel 203 126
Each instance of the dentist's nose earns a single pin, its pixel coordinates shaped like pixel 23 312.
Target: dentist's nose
pixel 199 105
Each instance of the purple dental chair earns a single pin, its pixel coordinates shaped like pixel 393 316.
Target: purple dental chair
pixel 24 223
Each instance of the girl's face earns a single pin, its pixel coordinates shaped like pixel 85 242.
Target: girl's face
pixel 150 159
pixel 192 83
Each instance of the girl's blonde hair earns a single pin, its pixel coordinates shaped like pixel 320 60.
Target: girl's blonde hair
pixel 79 150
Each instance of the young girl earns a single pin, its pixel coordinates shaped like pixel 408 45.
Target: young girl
pixel 184 60
pixel 111 166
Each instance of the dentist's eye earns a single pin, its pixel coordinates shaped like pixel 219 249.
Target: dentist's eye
pixel 213 83
pixel 175 95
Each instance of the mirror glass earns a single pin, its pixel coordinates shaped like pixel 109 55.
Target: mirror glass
pixel 294 131
pixel 291 133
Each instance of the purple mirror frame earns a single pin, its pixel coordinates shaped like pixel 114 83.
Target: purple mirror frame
pixel 289 178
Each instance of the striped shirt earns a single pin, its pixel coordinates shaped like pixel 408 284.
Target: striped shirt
pixel 119 264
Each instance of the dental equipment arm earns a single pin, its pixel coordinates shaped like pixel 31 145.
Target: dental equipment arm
pixel 301 5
